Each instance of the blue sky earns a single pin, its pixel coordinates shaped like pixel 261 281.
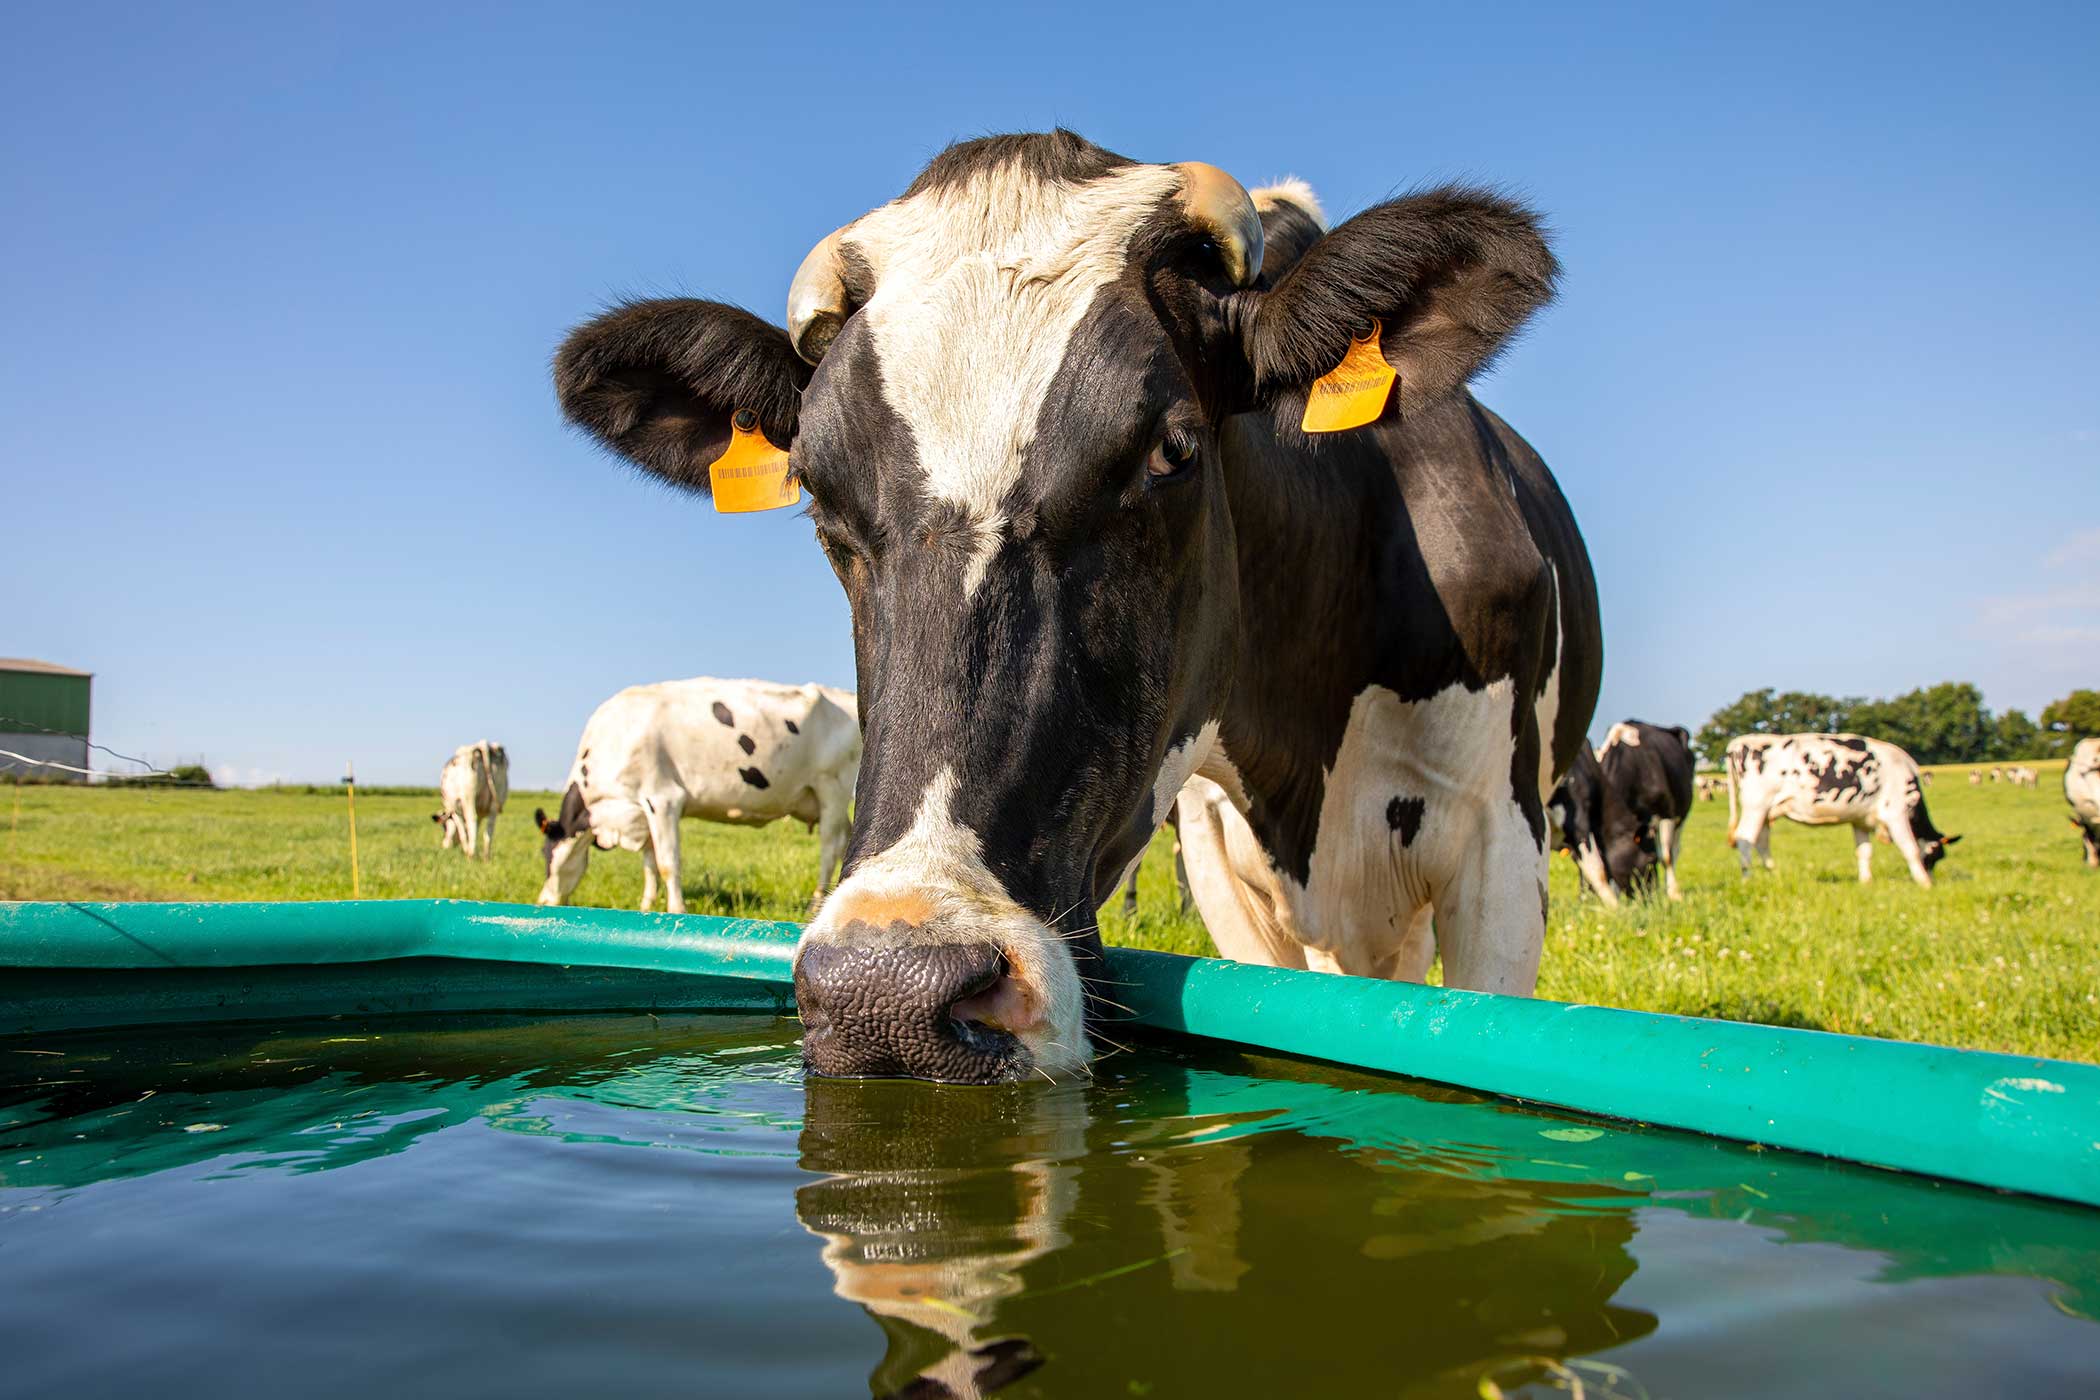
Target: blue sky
pixel 280 463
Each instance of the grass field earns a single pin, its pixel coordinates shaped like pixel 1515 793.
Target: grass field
pixel 2003 955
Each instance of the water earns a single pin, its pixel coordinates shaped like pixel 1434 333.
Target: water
pixel 641 1206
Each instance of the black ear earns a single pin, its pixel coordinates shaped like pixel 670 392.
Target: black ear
pixel 1949 840
pixel 437 816
pixel 539 817
pixel 1449 274
pixel 658 382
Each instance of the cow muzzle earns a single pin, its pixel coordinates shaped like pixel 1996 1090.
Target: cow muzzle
pixel 954 1000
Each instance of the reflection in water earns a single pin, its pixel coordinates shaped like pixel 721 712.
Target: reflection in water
pixel 1197 1221
pixel 993 1232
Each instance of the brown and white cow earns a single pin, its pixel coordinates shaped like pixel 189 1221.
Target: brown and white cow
pixel 1047 409
pixel 2082 791
pixel 1826 779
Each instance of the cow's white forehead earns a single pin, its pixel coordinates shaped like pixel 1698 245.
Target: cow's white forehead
pixel 978 287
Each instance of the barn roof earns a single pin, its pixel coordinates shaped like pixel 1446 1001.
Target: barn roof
pixel 42 668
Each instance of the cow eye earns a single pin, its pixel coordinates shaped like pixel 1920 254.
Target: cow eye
pixel 1174 455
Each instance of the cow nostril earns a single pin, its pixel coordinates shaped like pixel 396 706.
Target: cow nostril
pixel 999 1002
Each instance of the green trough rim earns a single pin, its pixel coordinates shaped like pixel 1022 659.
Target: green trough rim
pixel 2010 1122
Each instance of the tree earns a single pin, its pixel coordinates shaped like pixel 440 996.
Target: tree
pixel 2066 721
pixel 1767 712
pixel 2014 735
pixel 1944 723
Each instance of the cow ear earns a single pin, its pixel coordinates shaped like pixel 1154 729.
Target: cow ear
pixel 1448 274
pixel 539 817
pixel 1949 840
pixel 659 381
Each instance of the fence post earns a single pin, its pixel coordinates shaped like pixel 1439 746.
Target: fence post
pixel 350 789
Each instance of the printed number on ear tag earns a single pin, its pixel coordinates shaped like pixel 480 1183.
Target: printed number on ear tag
pixel 1354 392
pixel 751 474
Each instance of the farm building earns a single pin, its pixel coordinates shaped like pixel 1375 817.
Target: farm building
pixel 43 717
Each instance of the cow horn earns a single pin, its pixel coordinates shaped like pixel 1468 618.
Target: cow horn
pixel 1222 208
pixel 817 302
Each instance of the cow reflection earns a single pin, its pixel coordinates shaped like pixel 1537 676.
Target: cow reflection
pixel 1209 1208
pixel 932 1204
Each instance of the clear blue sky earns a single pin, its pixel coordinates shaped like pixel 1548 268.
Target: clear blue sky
pixel 279 460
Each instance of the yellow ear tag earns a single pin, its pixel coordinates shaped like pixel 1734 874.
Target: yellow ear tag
pixel 1354 392
pixel 751 474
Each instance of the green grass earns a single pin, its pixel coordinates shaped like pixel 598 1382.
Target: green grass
pixel 2003 955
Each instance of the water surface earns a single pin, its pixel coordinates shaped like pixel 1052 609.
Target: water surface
pixel 646 1206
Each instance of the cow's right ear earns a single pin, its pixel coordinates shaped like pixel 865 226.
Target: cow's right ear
pixel 539 817
pixel 659 381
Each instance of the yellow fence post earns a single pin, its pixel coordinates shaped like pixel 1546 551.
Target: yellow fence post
pixel 350 788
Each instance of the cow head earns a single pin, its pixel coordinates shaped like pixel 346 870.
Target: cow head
pixel 1004 393
pixel 566 850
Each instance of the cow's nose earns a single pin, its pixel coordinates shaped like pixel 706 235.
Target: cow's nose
pixel 898 1008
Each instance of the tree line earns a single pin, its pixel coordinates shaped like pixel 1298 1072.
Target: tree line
pixel 1944 723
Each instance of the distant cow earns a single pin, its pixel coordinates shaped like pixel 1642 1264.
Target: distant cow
pixel 472 789
pixel 742 752
pixel 2082 791
pixel 1997 774
pixel 1708 786
pixel 1975 777
pixel 1650 768
pixel 2022 777
pixel 1594 825
pixel 1825 779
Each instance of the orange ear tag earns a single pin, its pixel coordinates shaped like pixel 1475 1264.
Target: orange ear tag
pixel 1354 392
pixel 751 474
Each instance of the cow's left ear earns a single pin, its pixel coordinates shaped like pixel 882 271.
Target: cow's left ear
pixel 660 381
pixel 1449 275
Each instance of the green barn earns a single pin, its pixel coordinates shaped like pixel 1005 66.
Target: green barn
pixel 43 719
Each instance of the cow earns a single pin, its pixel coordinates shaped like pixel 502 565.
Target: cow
pixel 1650 768
pixel 1048 408
pixel 1997 774
pixel 2022 776
pixel 1593 824
pixel 472 788
pixel 1709 786
pixel 742 752
pixel 2082 791
pixel 1825 779
pixel 1975 777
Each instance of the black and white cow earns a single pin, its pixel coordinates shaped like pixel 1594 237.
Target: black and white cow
pixel 472 788
pixel 1046 406
pixel 1593 824
pixel 1826 779
pixel 1650 768
pixel 2082 791
pixel 742 752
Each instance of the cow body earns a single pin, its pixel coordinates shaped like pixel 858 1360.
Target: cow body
pixel 472 789
pixel 2082 791
pixel 1047 407
pixel 1597 829
pixel 743 752
pixel 1825 780
pixel 1649 767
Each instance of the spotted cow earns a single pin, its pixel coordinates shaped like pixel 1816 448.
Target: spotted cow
pixel 1593 824
pixel 1649 766
pixel 1048 410
pixel 472 788
pixel 1824 780
pixel 2082 791
pixel 743 752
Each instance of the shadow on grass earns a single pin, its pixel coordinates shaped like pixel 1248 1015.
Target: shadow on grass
pixel 708 893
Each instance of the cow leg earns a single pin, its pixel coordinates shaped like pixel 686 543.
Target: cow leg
pixel 1181 874
pixel 648 877
pixel 1236 890
pixel 1753 832
pixel 2092 847
pixel 488 836
pixel 1130 891
pixel 1863 847
pixel 471 821
pixel 1669 835
pixel 663 812
pixel 1491 915
pixel 1589 859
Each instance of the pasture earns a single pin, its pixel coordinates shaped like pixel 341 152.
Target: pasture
pixel 2003 955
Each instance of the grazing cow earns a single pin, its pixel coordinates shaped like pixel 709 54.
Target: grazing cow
pixel 1975 777
pixel 1049 410
pixel 1824 779
pixel 1593 824
pixel 1997 774
pixel 1925 777
pixel 472 789
pixel 742 752
pixel 1650 768
pixel 1709 787
pixel 2082 791
pixel 2022 777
